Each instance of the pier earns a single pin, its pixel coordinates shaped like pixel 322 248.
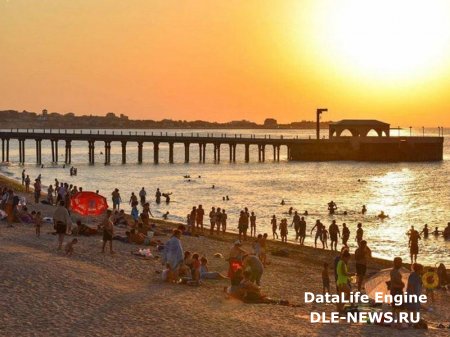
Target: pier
pixel 106 139
pixel 358 147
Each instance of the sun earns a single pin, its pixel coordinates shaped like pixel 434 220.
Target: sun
pixel 384 39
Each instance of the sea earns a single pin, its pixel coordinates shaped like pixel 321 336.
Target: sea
pixel 412 194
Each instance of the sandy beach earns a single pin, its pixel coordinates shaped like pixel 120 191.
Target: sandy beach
pixel 45 293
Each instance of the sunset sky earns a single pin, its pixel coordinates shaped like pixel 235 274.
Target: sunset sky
pixel 229 60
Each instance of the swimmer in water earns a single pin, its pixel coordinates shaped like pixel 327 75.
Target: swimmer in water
pixel 282 202
pixel 305 213
pixel 291 209
pixel 165 215
pixel 364 210
pixel 213 186
pixel 425 231
pixel 436 232
pixel 228 198
pixel 382 216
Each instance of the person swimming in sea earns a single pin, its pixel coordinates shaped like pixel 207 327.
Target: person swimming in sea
pixel 282 202
pixel 382 216
pixel 364 210
pixel 425 231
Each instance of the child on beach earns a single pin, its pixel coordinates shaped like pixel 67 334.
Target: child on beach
pixel 325 279
pixel 69 247
pixel 38 223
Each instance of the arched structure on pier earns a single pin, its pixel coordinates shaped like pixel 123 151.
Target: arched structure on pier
pixel 359 127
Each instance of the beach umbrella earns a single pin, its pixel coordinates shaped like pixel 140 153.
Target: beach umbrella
pixel 377 283
pixel 88 203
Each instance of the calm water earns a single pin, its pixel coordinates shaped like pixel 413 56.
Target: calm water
pixel 411 193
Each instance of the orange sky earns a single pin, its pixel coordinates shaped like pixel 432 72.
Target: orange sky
pixel 228 60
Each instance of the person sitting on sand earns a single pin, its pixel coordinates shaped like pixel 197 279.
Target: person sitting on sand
pixel 85 230
pixel 206 274
pixel 24 216
pixel 249 290
pixel 165 216
pixel 120 219
pixel 185 270
pixel 69 246
pixel 168 275
pixel 234 289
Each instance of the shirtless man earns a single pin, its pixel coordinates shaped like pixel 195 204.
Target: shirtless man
pixel 212 219
pixel 253 224
pixel 302 231
pixel 334 233
pixel 199 217
pixel 296 224
pixel 319 229
pixel 413 244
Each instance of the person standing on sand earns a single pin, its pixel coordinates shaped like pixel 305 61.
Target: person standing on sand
pixel 199 217
pixel 413 244
pixel 345 234
pixel 296 224
pixel 273 222
pixel 334 232
pixel 212 219
pixel 343 278
pixel 37 190
pixel 359 233
pixel 192 217
pixel 61 220
pixel 108 231
pixel 319 228
pixel 302 231
pixel 172 253
pixel 23 177
pixel 142 195
pixel 224 218
pixel 133 199
pixel 396 284
pixel 362 254
pixel 284 230
pixel 116 199
pixel 50 192
pixel 218 219
pixel 243 225
pixel 27 184
pixel 253 224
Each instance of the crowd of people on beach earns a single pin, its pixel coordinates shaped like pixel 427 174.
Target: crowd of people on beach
pixel 245 268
